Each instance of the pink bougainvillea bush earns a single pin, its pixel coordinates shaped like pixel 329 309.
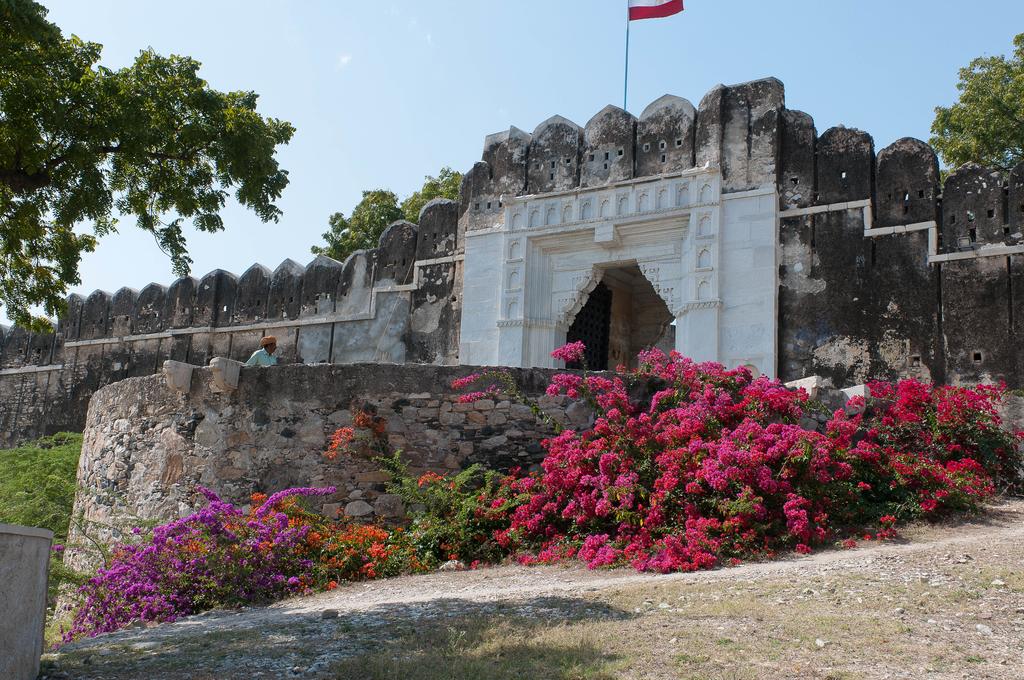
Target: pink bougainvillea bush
pixel 714 468
pixel 709 467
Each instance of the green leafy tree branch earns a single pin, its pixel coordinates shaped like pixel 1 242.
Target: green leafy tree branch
pixel 986 124
pixel 79 142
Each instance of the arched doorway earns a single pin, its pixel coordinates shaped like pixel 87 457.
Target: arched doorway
pixel 622 316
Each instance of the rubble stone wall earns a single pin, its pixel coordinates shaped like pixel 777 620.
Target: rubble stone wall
pixel 147 446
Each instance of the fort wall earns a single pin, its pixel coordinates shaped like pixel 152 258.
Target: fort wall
pixel 884 270
pixel 396 303
pixel 147 445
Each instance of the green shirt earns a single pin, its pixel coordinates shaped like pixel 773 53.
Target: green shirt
pixel 261 357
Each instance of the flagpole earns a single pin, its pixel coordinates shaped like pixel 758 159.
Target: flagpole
pixel 625 84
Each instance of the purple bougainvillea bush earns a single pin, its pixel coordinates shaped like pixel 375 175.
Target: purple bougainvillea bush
pixel 712 467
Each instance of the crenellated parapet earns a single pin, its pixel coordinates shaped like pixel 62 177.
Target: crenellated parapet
pixel 761 240
pixel 884 270
pixel 374 306
pixel 890 272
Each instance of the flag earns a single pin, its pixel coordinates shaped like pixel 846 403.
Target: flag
pixel 653 9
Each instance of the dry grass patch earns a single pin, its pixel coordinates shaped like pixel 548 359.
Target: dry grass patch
pixel 471 648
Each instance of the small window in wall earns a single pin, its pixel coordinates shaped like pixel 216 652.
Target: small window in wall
pixel 605 166
pixel 620 152
pixel 991 213
pixel 607 155
pixel 568 161
pixel 488 205
pixel 552 165
pixel 647 147
pixel 679 143
pixel 476 206
pixel 794 180
pixel 915 361
pixel 663 157
pixel 920 194
pixel 551 176
pixel 591 157
pixel 977 356
pixel 662 146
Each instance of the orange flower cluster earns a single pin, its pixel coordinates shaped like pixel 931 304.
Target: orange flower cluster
pixel 429 478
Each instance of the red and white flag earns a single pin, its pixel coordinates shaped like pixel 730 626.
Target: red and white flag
pixel 653 9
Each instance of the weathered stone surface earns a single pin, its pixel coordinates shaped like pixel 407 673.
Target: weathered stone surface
pixel 181 302
pixel 797 175
pixel 96 316
pixel 150 310
pixel 608 147
pixel 555 156
pixel 972 208
pixel 751 134
pixel 252 295
pixel 155 443
pixel 122 311
pixel 178 375
pixel 907 184
pixel 438 229
pixel 358 509
pixel 215 297
pixel 286 291
pixel 320 285
pixel 664 136
pixel 846 165
pixel 24 558
pixel 397 254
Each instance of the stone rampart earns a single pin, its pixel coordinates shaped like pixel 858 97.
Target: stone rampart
pixel 885 271
pixel 147 445
pixel 396 303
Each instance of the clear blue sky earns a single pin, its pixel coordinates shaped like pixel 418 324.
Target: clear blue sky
pixel 383 92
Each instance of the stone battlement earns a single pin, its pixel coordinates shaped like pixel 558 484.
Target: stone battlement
pixel 794 252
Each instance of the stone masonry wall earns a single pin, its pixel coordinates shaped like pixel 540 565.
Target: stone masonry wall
pixel 886 271
pixel 146 446
pixel 393 304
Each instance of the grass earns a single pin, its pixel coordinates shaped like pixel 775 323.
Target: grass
pixel 493 648
pixel 37 489
pixel 37 483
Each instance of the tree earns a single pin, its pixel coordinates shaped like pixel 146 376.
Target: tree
pixel 445 185
pixel 79 141
pixel 986 125
pixel 362 231
pixel 377 210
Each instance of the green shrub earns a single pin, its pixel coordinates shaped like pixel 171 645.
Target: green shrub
pixel 37 489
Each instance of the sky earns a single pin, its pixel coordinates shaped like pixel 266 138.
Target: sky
pixel 385 92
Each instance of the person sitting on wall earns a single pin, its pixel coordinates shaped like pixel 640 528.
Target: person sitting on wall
pixel 264 356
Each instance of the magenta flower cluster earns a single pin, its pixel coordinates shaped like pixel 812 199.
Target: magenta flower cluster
pixel 216 557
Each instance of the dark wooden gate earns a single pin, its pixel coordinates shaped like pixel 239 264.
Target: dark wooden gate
pixel 592 325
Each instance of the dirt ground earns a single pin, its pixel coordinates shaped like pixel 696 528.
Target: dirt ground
pixel 945 602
